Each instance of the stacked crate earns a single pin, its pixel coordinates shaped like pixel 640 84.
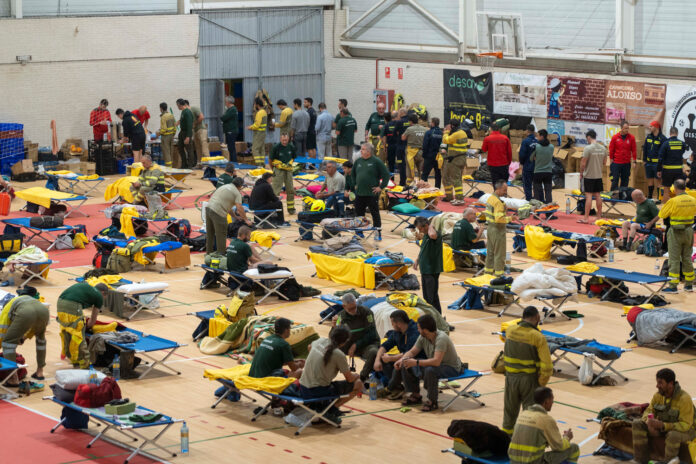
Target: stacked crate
pixel 11 146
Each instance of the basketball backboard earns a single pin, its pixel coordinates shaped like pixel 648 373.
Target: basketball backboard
pixel 501 32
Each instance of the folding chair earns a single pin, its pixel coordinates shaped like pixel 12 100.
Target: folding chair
pixel 133 292
pixel 9 368
pixel 147 344
pixel 465 392
pixel 305 404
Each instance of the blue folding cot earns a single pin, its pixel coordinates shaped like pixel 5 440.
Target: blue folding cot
pixel 147 344
pixel 405 218
pixel 615 277
pixel 47 235
pixel 8 368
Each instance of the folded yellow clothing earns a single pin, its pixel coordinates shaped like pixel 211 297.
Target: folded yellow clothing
pixel 626 309
pixel 60 173
pixel 448 258
pixel 337 160
pixel 468 177
pixel 397 189
pixel 90 177
pixel 230 373
pixel 212 158
pixel 42 196
pixel 506 324
pixel 258 172
pixel 307 177
pixel 105 279
pixel 576 192
pixel 480 281
pixel 583 267
pixel 429 195
pixel 127 215
pixel 120 187
pixel 101 328
pixel 264 238
pixel 608 222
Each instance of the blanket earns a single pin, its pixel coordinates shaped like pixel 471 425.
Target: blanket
pixel 382 311
pixel 511 203
pixel 42 196
pixel 120 188
pixel 605 352
pixel 240 376
pixel 654 325
pixel 537 281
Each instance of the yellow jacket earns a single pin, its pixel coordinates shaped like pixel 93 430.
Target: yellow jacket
pixel 526 352
pixel 495 211
pixel 260 121
pixel 285 116
pixel 534 431
pixel 167 124
pixel 457 143
pixel 680 210
pixel 676 413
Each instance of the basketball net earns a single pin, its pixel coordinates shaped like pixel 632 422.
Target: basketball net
pixel 487 60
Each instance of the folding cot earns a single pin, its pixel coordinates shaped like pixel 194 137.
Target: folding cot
pixel 71 182
pixel 313 162
pixel 147 344
pixel 328 300
pixel 8 368
pixel 687 331
pixel 614 277
pixel 544 215
pixel 474 184
pixel 563 239
pixel 170 196
pixel 362 234
pixel 203 316
pixel 229 279
pixel 305 180
pixel 130 430
pixel 387 270
pixel 142 296
pixel 476 254
pixel 47 235
pixel 265 251
pixel 465 391
pixel 30 269
pixel 469 458
pixel 306 405
pixel 429 198
pixel 44 197
pixel 405 218
pixel 162 247
pixel 612 203
pixel 269 282
pixel 176 178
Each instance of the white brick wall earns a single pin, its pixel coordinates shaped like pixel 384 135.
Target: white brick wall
pixel 131 61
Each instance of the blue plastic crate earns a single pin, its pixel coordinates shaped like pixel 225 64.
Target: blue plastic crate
pixel 123 163
pixel 11 146
pixel 6 163
pixel 10 126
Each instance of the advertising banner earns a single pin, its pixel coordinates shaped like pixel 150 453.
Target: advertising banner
pixel 575 99
pixel 467 96
pixel 635 102
pixel 520 94
pixel 681 113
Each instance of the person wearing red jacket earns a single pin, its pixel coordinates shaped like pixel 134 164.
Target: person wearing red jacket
pixel 622 153
pixel 99 119
pixel 499 151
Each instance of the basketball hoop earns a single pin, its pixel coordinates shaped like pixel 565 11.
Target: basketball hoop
pixel 487 60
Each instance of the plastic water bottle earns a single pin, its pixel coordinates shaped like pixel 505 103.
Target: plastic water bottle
pixel 184 439
pixel 658 266
pixel 610 248
pixel 373 387
pixel 567 205
pixel 93 375
pixel 116 368
pixel 508 262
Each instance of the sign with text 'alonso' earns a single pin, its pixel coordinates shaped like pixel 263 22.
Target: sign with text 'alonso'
pixel 467 96
pixel 635 102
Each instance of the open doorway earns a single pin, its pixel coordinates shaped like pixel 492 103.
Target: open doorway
pixel 235 88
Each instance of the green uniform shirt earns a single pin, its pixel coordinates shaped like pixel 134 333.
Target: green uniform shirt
pixel 543 158
pixel 196 111
pixel 347 126
pixel 350 183
pixel 463 235
pixel 186 123
pixel 238 254
pixel 430 255
pixel 443 344
pixel 224 179
pixel 374 122
pixel 363 331
pixel 271 355
pixel 414 136
pixel 367 174
pixel 284 154
pixel 646 211
pixel 84 294
pixel 230 120
pixel 338 117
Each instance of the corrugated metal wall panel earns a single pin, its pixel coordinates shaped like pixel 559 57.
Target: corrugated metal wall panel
pixel 97 7
pixel 660 27
pixel 4 8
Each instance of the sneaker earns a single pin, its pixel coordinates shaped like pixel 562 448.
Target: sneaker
pixel 395 395
pixel 670 289
pixel 378 238
pixel 688 288
pixel 285 224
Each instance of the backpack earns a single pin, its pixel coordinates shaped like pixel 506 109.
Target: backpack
pixel 101 258
pixel 179 228
pixel 118 263
pixel 196 243
pixel 10 244
pixel 652 246
pixel 291 290
pixel 90 395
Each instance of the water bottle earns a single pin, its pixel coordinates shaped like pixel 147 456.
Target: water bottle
pixel 567 205
pixel 508 262
pixel 658 266
pixel 610 248
pixel 93 375
pixel 184 439
pixel 373 387
pixel 116 368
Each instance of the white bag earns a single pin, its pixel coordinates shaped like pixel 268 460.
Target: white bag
pixel 63 242
pixel 70 379
pixel 586 373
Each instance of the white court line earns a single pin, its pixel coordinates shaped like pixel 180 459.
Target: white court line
pixel 586 440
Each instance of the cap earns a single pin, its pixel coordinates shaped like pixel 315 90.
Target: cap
pixel 655 124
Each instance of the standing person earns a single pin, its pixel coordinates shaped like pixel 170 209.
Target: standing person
pixel 342 105
pixel 622 152
pixel 670 416
pixel 364 340
pixel 429 261
pixel 528 365
pixel 225 200
pixel 274 352
pixel 299 127
pixel 374 125
pixel 680 211
pixel 345 134
pixel 132 131
pixel 536 430
pixel 542 156
pixel 230 127
pixel 403 336
pixel 263 197
pixel 185 137
pixel 311 144
pixel 143 116
pixel 71 318
pixel 200 133
pixel 390 140
pixel 332 192
pixel 671 163
pixel 100 119
pixel 369 176
pixel 285 118
pixel 20 316
pixel 499 152
pixel 526 149
pixel 497 220
pixel 166 134
pixel 431 150
pixel 281 158
pixel 594 157
pixel 413 136
pixel 647 215
pixel 454 162
pixel 402 124
pixel 323 130
pixel 651 154
pixel 258 144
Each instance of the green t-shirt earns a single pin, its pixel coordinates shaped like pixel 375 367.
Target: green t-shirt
pixel 443 344
pixel 430 255
pixel 367 174
pixel 463 235
pixel 338 117
pixel 186 123
pixel 271 355
pixel 230 120
pixel 285 154
pixel 84 294
pixel 374 122
pixel 224 179
pixel 543 158
pixel 196 111
pixel 646 211
pixel 347 126
pixel 238 254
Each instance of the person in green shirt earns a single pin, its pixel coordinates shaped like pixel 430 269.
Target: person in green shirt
pixel 542 156
pixel 342 104
pixel 429 261
pixel 374 125
pixel 230 127
pixel 274 352
pixel 364 340
pixel 185 137
pixel 240 256
pixel 464 237
pixel 226 177
pixel 647 215
pixel 368 177
pixel 200 133
pixel 345 134
pixel 281 159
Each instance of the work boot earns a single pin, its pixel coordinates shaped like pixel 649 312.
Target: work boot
pixel 688 288
pixel 446 200
pixel 622 246
pixel 629 245
pixel 670 289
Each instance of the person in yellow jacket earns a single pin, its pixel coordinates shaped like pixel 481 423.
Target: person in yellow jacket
pixel 680 211
pixel 285 117
pixel 454 162
pixel 670 416
pixel 497 220
pixel 528 365
pixel 166 134
pixel 258 143
pixel 151 179
pixel 536 430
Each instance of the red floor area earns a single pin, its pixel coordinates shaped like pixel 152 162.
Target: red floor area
pixel 26 439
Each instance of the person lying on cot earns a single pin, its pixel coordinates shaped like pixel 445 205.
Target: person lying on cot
pixel 275 352
pixel 240 256
pixel 467 235
pixel 324 362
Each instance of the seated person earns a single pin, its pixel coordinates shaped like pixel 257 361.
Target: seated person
pixel 464 235
pixel 441 362
pixel 227 176
pixel 150 181
pixel 71 319
pixel 275 352
pixel 333 188
pixel 364 340
pixel 263 198
pixel 646 217
pixel 240 256
pixel 670 415
pixel 349 194
pixel 403 337
pixel 535 430
pixel 325 360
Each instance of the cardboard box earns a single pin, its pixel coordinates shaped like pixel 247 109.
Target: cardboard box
pixel 214 146
pixel 23 166
pixel 515 152
pixel 574 161
pixel 241 147
pixel 476 144
pixel 226 153
pixel 32 150
pixel 639 133
pixel 87 168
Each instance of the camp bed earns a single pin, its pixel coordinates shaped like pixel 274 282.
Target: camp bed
pixel 73 183
pixel 204 317
pixel 687 332
pixel 163 248
pixel 563 239
pixel 612 204
pixel 29 270
pixel 362 234
pixel 176 178
pixel 465 391
pixel 131 430
pixel 170 196
pixel 614 277
pixel 406 218
pixel 133 292
pixel 72 202
pixel 147 344
pixel 269 282
pixel 475 185
pixel 477 254
pixel 229 279
pixel 388 271
pixel 229 388
pixel 8 368
pixel 313 162
pixel 430 199
pixel 266 251
pixel 49 236
pixel 469 458
pixel 305 180
pixel 544 215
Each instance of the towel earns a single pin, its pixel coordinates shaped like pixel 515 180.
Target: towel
pixel 90 177
pixel 264 238
pixel 480 281
pixel 240 376
pixel 585 266
pixel 42 196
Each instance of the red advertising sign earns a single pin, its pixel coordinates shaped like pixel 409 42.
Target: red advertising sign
pixel 401 73
pixel 387 72
pixel 635 102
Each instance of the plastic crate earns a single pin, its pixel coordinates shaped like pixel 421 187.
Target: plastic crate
pixel 11 146
pixel 10 126
pixel 122 164
pixel 6 163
